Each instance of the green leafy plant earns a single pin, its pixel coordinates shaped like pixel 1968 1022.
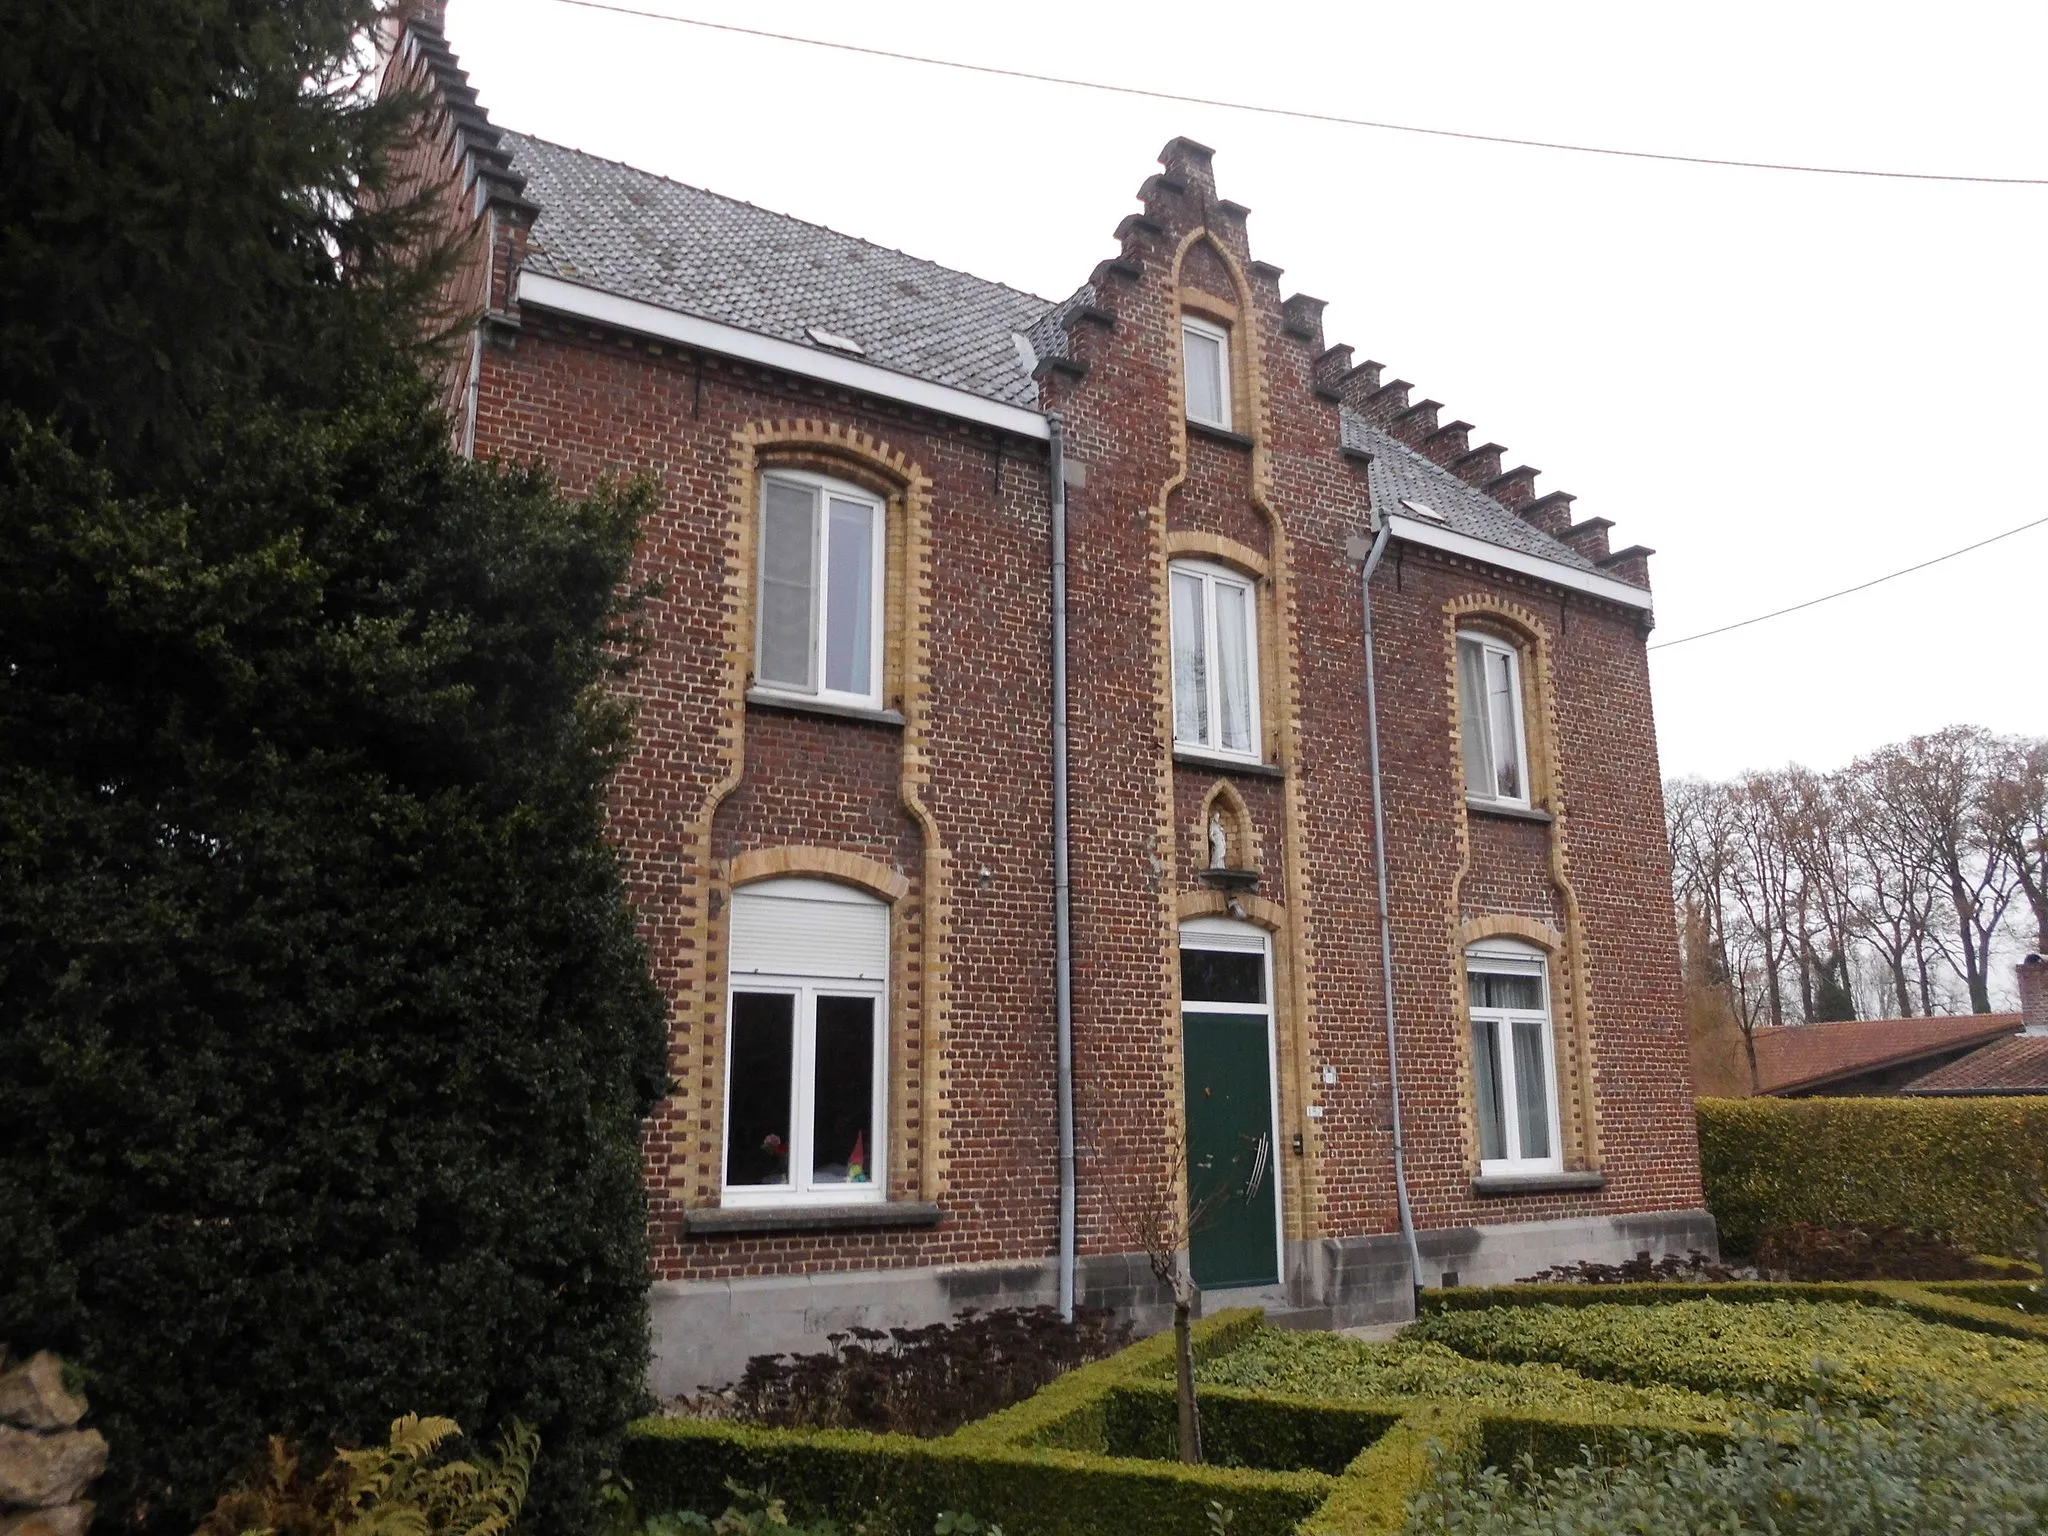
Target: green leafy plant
pixel 1955 1465
pixel 1330 1365
pixel 399 1488
pixel 1784 1351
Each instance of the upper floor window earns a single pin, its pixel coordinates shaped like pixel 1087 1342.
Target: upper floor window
pixel 1215 660
pixel 806 1044
pixel 1490 720
pixel 1513 1059
pixel 819 603
pixel 1205 347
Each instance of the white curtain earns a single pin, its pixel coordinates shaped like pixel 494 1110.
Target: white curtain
pixel 850 597
pixel 1479 778
pixel 789 580
pixel 1234 666
pixel 1190 662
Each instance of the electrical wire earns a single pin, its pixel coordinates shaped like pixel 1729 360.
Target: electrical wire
pixel 1861 586
pixel 1300 114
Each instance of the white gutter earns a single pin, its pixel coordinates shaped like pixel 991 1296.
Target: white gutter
pixel 581 303
pixel 1413 530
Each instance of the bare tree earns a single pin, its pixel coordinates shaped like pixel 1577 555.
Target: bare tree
pixel 1161 1223
pixel 2015 820
pixel 1892 890
pixel 1936 788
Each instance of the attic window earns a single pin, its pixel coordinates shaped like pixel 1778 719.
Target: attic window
pixel 834 340
pixel 1423 509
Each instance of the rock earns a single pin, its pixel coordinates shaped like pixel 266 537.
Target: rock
pixel 44 1471
pixel 64 1520
pixel 35 1397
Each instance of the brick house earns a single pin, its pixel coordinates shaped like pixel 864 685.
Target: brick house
pixel 842 824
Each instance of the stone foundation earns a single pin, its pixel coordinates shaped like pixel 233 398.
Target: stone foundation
pixel 705 1331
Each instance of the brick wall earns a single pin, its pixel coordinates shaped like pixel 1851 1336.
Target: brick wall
pixel 952 806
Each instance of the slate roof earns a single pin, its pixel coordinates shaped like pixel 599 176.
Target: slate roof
pixel 2019 1065
pixel 1398 473
pixel 633 233
pixel 1804 1056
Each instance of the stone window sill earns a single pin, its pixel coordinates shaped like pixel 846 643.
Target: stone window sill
pixel 1185 758
pixel 1511 812
pixel 762 698
pixel 735 1220
pixel 1218 434
pixel 1572 1181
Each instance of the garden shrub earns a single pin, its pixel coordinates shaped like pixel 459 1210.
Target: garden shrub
pixel 1779 1350
pixel 918 1381
pixel 1328 1365
pixel 897 1484
pixel 1803 1250
pixel 1246 1429
pixel 1961 1468
pixel 1965 1167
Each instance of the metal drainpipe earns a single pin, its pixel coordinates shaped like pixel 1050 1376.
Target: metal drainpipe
pixel 1062 879
pixel 1379 853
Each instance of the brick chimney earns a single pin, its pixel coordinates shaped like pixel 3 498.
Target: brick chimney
pixel 2033 974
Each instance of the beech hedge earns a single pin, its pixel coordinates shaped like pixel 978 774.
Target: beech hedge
pixel 1969 1168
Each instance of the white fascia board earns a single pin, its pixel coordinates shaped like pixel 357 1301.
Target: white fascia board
pixel 1556 572
pixel 642 318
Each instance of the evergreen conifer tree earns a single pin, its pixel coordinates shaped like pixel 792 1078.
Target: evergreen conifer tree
pixel 325 1031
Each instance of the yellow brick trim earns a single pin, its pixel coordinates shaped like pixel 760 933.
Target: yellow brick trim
pixel 1195 544
pixel 1280 697
pixel 919 987
pixel 1257 910
pixel 826 863
pixel 1205 305
pixel 1572 1010
pixel 1501 925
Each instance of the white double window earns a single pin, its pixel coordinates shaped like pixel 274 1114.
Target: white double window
pixel 806 1045
pixel 1490 720
pixel 1215 660
pixel 819 597
pixel 1205 355
pixel 1514 1068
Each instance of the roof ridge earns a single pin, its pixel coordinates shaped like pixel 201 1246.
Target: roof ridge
pixel 775 213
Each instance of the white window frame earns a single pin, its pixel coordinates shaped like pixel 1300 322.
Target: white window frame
pixel 823 487
pixel 1494 645
pixel 1231 936
pixel 1209 329
pixel 1503 957
pixel 1213 576
pixel 803 1061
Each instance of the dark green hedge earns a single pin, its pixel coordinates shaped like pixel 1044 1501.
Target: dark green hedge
pixel 1967 1167
pixel 896 1484
pixel 1246 1429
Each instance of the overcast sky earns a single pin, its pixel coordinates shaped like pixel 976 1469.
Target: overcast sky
pixel 1783 383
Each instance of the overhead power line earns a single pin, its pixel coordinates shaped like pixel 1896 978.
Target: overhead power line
pixel 1299 114
pixel 1861 586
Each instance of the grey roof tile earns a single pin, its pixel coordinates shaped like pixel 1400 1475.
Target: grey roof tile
pixel 633 233
pixel 1398 473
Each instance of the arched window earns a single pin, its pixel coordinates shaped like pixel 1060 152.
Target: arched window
pixel 806 1044
pixel 1514 1067
pixel 1490 720
pixel 1215 660
pixel 818 603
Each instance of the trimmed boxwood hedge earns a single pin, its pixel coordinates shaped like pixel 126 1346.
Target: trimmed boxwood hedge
pixel 1966 1167
pixel 1242 1428
pixel 899 1484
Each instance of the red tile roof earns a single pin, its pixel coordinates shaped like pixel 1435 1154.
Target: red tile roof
pixel 2007 1066
pixel 1797 1057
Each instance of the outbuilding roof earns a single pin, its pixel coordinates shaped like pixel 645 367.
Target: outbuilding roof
pixel 1800 1057
pixel 2018 1065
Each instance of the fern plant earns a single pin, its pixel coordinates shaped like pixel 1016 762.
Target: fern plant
pixel 395 1489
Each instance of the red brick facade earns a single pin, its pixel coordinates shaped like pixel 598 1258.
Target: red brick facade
pixel 946 812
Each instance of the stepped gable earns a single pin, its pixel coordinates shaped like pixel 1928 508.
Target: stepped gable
pixel 1399 473
pixel 633 233
pixel 477 147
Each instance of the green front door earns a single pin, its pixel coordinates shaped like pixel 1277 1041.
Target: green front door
pixel 1230 1149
